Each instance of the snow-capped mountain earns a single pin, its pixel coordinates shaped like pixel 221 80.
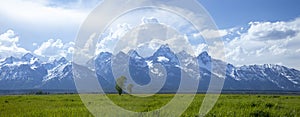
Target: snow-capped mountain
pixel 253 77
pixel 28 72
pixel 267 77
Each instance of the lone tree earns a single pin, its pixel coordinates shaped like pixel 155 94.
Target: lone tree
pixel 120 84
pixel 129 88
pixel 119 89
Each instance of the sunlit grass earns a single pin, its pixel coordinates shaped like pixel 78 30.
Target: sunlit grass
pixel 71 105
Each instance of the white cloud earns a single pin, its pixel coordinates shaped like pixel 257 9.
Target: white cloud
pixel 9 45
pixel 209 34
pixel 55 49
pixel 39 20
pixel 266 42
pixel 88 50
pixel 34 44
pixel 43 13
pixel 147 38
pixel 271 30
pixel 180 19
pixel 109 39
pixel 198 49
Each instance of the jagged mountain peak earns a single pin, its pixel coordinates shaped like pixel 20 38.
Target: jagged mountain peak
pixel 121 54
pixel 102 54
pixel 274 66
pixel 164 48
pixel 184 53
pixel 165 51
pixel 230 65
pixel 134 54
pixel 248 77
pixel 28 57
pixel 10 60
pixel 265 66
pixel 204 57
pixel 63 60
pixel 204 54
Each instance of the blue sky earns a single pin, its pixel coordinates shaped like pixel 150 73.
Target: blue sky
pixel 255 31
pixel 232 13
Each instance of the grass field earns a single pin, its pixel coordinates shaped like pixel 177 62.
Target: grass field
pixel 227 105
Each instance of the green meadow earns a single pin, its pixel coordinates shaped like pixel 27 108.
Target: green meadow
pixel 71 105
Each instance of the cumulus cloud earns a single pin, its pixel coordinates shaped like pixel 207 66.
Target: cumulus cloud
pixel 271 31
pixel 9 45
pixel 198 49
pixel 87 52
pixel 266 42
pixel 51 49
pixel 146 39
pixel 55 49
pixel 108 40
pixel 149 36
pixel 209 34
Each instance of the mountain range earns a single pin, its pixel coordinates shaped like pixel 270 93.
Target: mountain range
pixel 28 72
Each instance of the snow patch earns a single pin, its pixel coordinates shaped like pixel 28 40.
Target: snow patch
pixel 150 64
pixel 57 72
pixel 157 72
pixel 162 58
pixel 33 60
pixel 17 64
pixel 34 67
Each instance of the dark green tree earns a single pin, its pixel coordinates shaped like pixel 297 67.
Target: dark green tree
pixel 119 89
pixel 120 84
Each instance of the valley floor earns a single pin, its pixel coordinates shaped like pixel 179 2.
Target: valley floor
pixel 71 105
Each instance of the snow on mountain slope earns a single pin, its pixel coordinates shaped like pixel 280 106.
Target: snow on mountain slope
pixel 29 72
